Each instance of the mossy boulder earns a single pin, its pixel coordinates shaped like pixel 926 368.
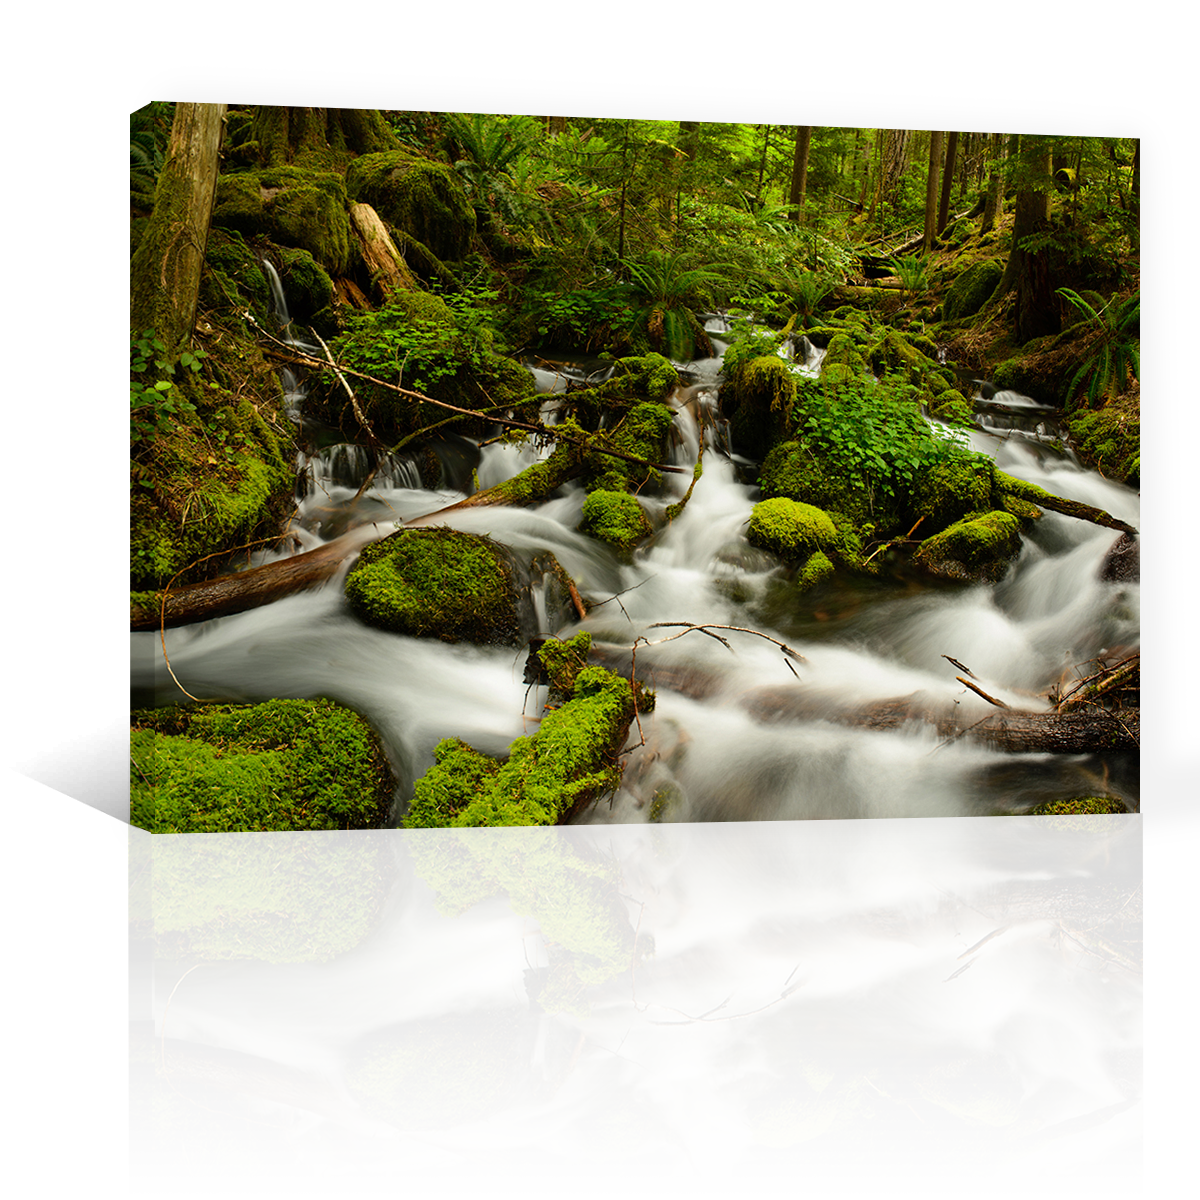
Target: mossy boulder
pixel 1081 814
pixel 642 433
pixel 256 831
pixel 437 582
pixel 817 568
pixel 420 197
pixel 952 407
pixel 436 1074
pixel 761 395
pixel 234 275
pixel 789 528
pixel 292 207
pixel 308 289
pixel 971 290
pixel 1110 438
pixel 614 517
pixel 842 351
pixel 974 550
pixel 792 470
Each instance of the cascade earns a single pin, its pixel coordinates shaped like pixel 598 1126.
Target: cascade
pixel 748 841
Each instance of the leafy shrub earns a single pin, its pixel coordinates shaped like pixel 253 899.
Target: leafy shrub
pixel 155 403
pixel 1115 355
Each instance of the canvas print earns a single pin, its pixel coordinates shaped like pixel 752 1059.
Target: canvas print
pixel 521 470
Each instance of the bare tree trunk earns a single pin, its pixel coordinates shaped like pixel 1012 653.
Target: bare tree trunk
pixel 800 173
pixel 947 180
pixel 931 189
pixel 1028 271
pixel 993 205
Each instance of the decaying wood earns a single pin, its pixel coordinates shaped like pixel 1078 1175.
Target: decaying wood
pixel 389 271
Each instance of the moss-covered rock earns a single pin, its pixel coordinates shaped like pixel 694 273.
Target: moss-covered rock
pixel 971 290
pixel 437 583
pixel 436 1074
pixel 291 206
pixel 947 491
pixel 759 397
pixel 842 351
pixel 791 529
pixel 974 550
pixel 1110 438
pixel 420 197
pixel 256 832
pixel 614 517
pixel 308 288
pixel 791 469
pixel 1081 814
pixel 240 279
pixel 952 407
pixel 642 433
pixel 817 567
pixel 477 827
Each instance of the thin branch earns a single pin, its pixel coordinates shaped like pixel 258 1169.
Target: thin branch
pixel 981 692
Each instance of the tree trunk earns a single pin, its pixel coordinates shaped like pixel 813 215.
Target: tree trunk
pixel 244 590
pixel 321 138
pixel 931 189
pixel 993 205
pixel 947 180
pixel 389 271
pixel 1028 271
pixel 800 173
pixel 164 274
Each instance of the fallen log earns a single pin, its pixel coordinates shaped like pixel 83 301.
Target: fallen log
pixel 389 271
pixel 1074 731
pixel 1071 508
pixel 243 590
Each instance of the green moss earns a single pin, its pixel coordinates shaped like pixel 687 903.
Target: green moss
pixel 436 583
pixel 422 198
pixel 789 528
pixel 642 433
pixel 475 827
pixel 438 1071
pixel 953 407
pixel 842 351
pixel 563 661
pixel 891 353
pixel 948 490
pixel 1081 814
pixel 974 550
pixel 791 469
pixel 614 517
pixel 971 290
pixel 1110 438
pixel 307 286
pixel 239 268
pixel 255 832
pixel 817 567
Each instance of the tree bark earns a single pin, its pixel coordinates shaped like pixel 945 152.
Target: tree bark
pixel 165 271
pixel 244 590
pixel 931 189
pixel 994 203
pixel 800 173
pixel 947 180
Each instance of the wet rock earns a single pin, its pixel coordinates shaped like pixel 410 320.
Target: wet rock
pixel 1122 563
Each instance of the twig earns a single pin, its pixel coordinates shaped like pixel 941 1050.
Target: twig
pixel 358 412
pixel 708 625
pixel 981 692
pixel 965 670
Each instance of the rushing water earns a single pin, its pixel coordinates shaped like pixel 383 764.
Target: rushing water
pixel 783 828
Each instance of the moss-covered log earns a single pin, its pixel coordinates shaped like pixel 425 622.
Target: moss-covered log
pixel 1071 508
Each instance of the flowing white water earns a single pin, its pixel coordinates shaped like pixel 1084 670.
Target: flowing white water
pixel 773 828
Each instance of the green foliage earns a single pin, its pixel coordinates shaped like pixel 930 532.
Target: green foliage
pixel 149 132
pixel 588 318
pixel 665 291
pixel 155 402
pixel 1115 355
pixel 874 435
pixel 911 271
